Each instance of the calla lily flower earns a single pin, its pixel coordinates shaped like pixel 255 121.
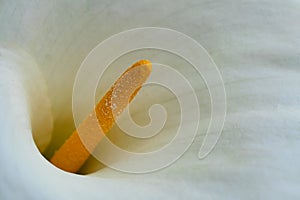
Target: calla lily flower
pixel 256 47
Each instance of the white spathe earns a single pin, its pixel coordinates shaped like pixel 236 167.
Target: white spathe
pixel 256 45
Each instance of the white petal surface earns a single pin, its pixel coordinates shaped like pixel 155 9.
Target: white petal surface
pixel 256 45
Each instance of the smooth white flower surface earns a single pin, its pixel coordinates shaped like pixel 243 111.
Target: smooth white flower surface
pixel 256 46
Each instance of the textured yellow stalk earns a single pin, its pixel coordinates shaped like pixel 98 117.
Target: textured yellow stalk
pixel 76 150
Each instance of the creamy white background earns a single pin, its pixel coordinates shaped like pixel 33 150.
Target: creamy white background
pixel 256 45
